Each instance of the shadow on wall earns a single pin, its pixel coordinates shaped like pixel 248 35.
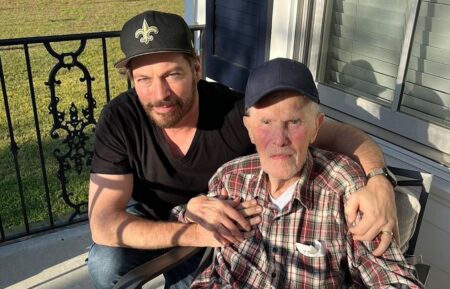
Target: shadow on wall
pixel 360 78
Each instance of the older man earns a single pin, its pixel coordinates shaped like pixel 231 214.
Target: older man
pixel 303 240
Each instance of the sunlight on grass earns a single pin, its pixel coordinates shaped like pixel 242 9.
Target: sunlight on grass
pixel 53 18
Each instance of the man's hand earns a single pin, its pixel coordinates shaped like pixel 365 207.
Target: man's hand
pixel 207 238
pixel 376 204
pixel 229 220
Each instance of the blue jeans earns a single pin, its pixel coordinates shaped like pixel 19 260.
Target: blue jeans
pixel 107 265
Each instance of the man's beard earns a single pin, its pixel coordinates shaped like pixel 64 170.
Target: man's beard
pixel 180 109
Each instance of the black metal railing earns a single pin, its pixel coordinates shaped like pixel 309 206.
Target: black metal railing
pixel 53 88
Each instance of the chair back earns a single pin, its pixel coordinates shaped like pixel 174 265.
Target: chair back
pixel 411 199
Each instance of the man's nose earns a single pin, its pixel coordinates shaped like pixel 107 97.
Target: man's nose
pixel 161 89
pixel 280 136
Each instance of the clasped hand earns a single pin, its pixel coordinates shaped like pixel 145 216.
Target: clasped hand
pixel 229 220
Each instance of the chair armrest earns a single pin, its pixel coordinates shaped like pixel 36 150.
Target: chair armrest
pixel 423 270
pixel 153 268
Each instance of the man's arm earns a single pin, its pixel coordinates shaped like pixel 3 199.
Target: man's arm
pixel 348 140
pixel 111 225
pixel 377 200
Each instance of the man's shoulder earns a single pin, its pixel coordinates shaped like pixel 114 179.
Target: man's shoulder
pixel 219 91
pixel 221 108
pixel 326 158
pixel 123 102
pixel 331 165
pixel 248 164
pixel 122 112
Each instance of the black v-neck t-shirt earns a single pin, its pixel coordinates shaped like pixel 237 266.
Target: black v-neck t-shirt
pixel 127 141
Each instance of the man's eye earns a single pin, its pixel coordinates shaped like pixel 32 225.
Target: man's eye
pixel 265 121
pixel 174 74
pixel 295 121
pixel 143 79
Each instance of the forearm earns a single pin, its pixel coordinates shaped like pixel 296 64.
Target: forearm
pixel 126 230
pixel 112 225
pixel 348 140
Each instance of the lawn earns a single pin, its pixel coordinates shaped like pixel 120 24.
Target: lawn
pixel 20 19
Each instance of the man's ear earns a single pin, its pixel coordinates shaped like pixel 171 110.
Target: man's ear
pixel 320 118
pixel 197 68
pixel 247 125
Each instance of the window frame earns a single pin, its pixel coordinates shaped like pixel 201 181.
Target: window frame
pixel 407 131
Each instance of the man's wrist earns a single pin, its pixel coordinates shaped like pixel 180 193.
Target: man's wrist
pixel 384 172
pixel 190 206
pixel 190 236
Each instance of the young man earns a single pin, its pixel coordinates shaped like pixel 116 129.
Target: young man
pixel 303 239
pixel 158 144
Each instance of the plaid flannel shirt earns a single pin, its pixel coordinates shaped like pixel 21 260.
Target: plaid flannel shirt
pixel 316 212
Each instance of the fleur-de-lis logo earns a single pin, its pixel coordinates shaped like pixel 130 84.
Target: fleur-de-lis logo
pixel 146 32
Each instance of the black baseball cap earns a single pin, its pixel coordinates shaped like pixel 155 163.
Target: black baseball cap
pixel 280 74
pixel 154 32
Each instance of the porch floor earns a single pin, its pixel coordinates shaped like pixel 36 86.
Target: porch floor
pixel 51 261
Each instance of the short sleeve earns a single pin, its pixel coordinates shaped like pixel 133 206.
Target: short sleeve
pixel 110 151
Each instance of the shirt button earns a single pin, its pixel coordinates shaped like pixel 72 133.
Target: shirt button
pixel 274 275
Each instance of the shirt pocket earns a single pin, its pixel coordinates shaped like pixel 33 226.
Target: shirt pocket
pixel 319 271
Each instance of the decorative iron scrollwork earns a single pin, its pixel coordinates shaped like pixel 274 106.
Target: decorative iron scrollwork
pixel 76 153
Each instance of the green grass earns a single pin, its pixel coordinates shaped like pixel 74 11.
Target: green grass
pixel 21 19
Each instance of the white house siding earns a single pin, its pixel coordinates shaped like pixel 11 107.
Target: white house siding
pixel 434 238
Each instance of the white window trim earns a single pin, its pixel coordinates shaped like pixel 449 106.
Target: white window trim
pixel 284 19
pixel 405 55
pixel 195 12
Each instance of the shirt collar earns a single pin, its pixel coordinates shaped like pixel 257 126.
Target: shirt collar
pixel 304 192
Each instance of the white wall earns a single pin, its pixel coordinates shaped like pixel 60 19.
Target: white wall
pixel 434 236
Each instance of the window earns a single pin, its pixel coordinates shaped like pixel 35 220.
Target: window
pixel 386 63
pixel 427 86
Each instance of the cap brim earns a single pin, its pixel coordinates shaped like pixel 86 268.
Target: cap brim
pixel 124 61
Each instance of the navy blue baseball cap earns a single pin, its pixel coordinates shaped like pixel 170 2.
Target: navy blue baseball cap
pixel 154 32
pixel 280 74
